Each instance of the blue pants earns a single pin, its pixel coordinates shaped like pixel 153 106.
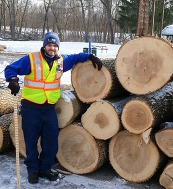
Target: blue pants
pixel 41 123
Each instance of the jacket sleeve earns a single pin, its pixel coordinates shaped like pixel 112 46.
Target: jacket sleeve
pixel 19 67
pixel 70 60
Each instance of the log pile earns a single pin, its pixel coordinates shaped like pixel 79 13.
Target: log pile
pixel 116 113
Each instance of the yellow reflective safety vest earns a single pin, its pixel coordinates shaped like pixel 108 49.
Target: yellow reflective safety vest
pixel 42 84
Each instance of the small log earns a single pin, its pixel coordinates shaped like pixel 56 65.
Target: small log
pixel 166 178
pixel 143 112
pixel 164 138
pixel 22 148
pixel 104 124
pixel 79 152
pixel 91 84
pixel 144 65
pixel 69 108
pixel 132 158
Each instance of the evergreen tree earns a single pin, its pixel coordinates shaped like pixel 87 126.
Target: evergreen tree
pixel 128 13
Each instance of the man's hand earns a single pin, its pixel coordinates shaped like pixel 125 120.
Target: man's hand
pixel 14 85
pixel 95 61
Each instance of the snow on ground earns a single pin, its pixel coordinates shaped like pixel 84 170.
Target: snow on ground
pixel 104 178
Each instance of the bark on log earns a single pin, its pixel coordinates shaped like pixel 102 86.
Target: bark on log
pixel 132 158
pixel 5 139
pixel 164 138
pixel 91 84
pixel 69 108
pixel 79 152
pixel 104 124
pixel 143 112
pixel 6 102
pixel 22 148
pixel 166 178
pixel 144 65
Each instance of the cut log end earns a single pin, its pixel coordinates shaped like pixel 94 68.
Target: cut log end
pixel 93 85
pixel 132 158
pixel 78 150
pixel 166 178
pixel 100 123
pixel 143 65
pixel 137 116
pixel 164 140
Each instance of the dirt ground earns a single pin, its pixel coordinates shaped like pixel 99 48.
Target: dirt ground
pixel 103 178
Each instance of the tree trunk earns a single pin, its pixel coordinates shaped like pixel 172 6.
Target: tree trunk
pixel 69 108
pixel 132 158
pixel 103 124
pixel 79 152
pixel 91 84
pixel 164 138
pixel 143 112
pixel 144 65
pixel 166 178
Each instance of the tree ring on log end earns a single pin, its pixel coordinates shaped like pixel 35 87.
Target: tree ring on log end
pixel 137 116
pixel 100 123
pixel 144 65
pixel 93 85
pixel 132 158
pixel 78 150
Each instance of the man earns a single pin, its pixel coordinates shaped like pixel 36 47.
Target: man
pixel 40 93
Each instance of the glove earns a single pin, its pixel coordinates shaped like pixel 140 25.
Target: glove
pixel 95 61
pixel 14 85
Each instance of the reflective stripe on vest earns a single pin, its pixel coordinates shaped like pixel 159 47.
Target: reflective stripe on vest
pixel 39 85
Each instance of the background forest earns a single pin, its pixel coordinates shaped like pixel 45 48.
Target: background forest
pixel 75 20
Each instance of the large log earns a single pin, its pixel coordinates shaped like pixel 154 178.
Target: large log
pixel 91 84
pixel 69 108
pixel 104 124
pixel 132 158
pixel 79 152
pixel 144 65
pixel 164 138
pixel 22 148
pixel 143 112
pixel 166 178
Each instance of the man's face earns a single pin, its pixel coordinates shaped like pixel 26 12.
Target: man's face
pixel 51 49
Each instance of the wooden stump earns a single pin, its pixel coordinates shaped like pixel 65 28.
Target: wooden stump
pixel 166 178
pixel 147 111
pixel 79 152
pixel 132 158
pixel 100 123
pixel 22 148
pixel 68 108
pixel 164 139
pixel 91 84
pixel 144 65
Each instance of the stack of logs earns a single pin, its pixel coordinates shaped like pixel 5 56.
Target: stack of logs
pixel 121 114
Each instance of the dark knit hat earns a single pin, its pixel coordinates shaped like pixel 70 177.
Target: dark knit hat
pixel 51 37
